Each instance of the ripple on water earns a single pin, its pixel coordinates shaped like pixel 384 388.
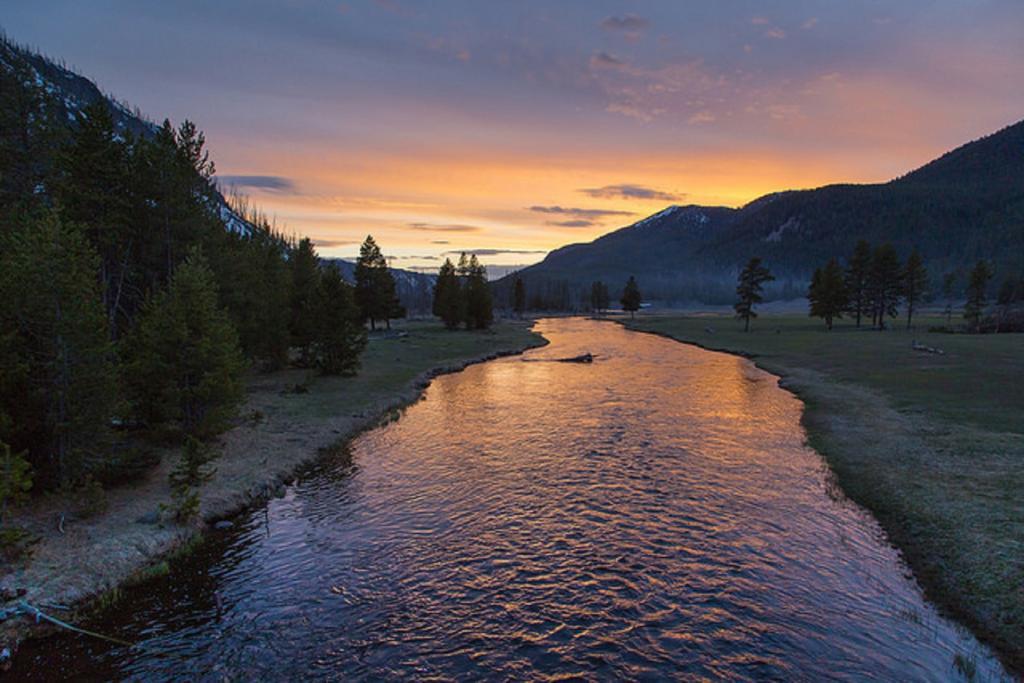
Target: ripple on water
pixel 653 515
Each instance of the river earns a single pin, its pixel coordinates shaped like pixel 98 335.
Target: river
pixel 655 514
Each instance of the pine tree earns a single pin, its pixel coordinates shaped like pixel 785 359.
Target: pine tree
pixel 15 479
pixel 254 285
pixel 915 283
pixel 519 297
pixel 631 297
pixel 94 192
pixel 183 364
pixel 479 303
pixel 193 469
pixel 749 287
pixel 599 298
pixel 305 270
pixel 977 284
pixel 858 272
pixel 885 286
pixel 948 285
pixel 827 294
pixel 341 336
pixel 56 348
pixel 448 297
pixel 375 286
pixel 174 199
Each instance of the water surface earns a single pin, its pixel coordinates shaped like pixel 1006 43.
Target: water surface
pixel 653 515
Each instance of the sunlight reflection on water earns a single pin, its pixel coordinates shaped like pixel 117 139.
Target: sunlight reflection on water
pixel 653 515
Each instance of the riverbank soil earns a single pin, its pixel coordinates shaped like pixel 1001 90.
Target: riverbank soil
pixel 932 444
pixel 287 418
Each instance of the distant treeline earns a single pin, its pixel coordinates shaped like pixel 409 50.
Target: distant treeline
pixel 873 284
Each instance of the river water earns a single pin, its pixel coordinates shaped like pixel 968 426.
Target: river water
pixel 653 515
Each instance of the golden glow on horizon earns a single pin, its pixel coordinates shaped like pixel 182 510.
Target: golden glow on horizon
pixel 424 204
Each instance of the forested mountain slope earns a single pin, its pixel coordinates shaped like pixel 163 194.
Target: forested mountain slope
pixel 965 206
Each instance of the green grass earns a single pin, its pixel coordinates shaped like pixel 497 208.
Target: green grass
pixel 388 366
pixel 933 445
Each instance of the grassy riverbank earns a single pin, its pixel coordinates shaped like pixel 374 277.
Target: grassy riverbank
pixel 932 444
pixel 287 419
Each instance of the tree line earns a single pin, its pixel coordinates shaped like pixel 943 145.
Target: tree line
pixel 462 295
pixel 129 310
pixel 874 283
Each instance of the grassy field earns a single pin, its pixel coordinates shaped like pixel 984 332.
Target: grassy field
pixel 932 444
pixel 388 365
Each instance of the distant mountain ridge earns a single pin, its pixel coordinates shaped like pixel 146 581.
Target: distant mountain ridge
pixel 964 206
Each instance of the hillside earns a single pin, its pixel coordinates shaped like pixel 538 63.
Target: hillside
pixel 71 93
pixel 964 206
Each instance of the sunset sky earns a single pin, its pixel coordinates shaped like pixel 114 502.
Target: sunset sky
pixel 513 128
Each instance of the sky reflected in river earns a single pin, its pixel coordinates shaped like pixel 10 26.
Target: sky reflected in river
pixel 655 514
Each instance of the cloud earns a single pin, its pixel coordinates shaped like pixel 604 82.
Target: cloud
pixel 495 252
pixel 328 243
pixel 579 213
pixel 702 117
pixel 809 24
pixel 440 242
pixel 575 223
pixel 627 23
pixel 629 191
pixel 273 183
pixel 415 258
pixel 432 227
pixel 776 33
pixel 606 60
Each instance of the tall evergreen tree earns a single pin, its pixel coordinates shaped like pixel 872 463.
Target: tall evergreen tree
pixel 885 285
pixel 858 273
pixel 94 191
pixel 15 479
pixel 599 298
pixel 174 198
pixel 305 271
pixel 57 353
pixel 748 288
pixel 479 303
pixel 341 336
pixel 183 364
pixel 519 297
pixel 948 285
pixel 631 297
pixel 827 294
pixel 448 298
pixel 375 286
pixel 915 283
pixel 977 284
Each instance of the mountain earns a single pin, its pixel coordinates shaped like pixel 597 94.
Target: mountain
pixel 964 206
pixel 71 93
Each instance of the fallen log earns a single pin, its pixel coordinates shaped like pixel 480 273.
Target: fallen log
pixel 582 358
